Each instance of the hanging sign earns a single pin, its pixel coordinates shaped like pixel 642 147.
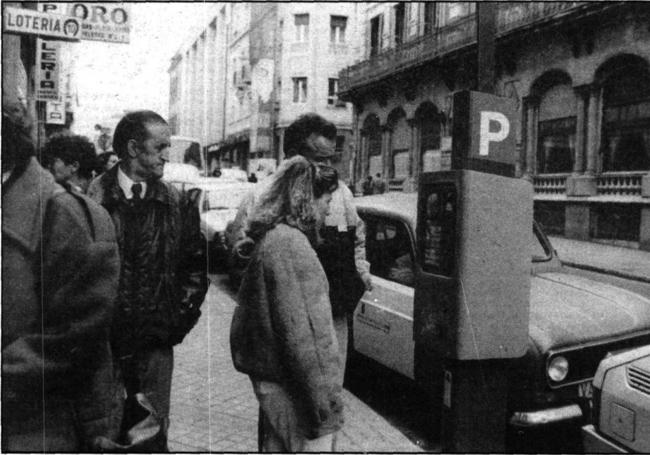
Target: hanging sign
pixel 28 21
pixel 55 113
pixel 47 70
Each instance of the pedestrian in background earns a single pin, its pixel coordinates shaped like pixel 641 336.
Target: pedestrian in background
pixel 72 160
pixel 367 186
pixel 106 161
pixel 163 278
pixel 282 332
pixel 343 249
pixel 378 185
pixel 60 271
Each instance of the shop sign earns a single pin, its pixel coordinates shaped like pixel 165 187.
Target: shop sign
pixel 27 21
pixel 48 83
pixel 109 22
pixel 55 113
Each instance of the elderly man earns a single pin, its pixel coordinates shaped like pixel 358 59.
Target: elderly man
pixel 60 271
pixel 163 276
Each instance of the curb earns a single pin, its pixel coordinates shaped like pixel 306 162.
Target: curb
pixel 591 268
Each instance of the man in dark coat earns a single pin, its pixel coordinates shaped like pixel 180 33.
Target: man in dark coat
pixel 163 278
pixel 60 270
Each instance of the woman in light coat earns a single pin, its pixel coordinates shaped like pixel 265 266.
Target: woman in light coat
pixel 282 333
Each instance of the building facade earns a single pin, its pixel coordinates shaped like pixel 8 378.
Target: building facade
pixel 276 61
pixel 579 72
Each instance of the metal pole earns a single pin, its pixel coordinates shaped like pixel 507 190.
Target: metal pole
pixel 485 37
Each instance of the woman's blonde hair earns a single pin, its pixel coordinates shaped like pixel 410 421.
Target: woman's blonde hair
pixel 290 196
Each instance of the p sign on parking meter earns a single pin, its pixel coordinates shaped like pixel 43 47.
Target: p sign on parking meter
pixel 484 133
pixel 473 287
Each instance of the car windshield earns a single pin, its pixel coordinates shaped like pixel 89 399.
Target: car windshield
pixel 224 198
pixel 541 247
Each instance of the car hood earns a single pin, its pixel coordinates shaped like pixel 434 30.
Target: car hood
pixel 566 310
pixel 217 220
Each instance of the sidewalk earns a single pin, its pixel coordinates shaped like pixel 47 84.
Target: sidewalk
pixel 623 262
pixel 214 409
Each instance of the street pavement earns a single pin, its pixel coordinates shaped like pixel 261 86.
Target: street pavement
pixel 213 408
pixel 597 257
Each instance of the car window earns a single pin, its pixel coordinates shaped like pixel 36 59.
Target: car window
pixel 223 198
pixel 388 249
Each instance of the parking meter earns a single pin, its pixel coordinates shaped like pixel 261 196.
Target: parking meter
pixel 474 229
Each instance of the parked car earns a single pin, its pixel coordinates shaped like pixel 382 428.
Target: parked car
pixel 621 412
pixel 573 322
pixel 218 202
pixel 181 175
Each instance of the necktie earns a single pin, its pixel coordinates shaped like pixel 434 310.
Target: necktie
pixel 136 188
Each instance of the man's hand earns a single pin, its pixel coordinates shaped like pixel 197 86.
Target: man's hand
pixel 367 280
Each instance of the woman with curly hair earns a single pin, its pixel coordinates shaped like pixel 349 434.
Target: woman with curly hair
pixel 282 333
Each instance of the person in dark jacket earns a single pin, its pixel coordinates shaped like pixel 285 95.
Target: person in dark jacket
pixel 60 270
pixel 282 332
pixel 163 278
pixel 72 160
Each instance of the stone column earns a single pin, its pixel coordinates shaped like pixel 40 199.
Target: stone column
pixel 386 132
pixel 593 131
pixel 530 106
pixel 414 157
pixel 579 184
pixel 578 163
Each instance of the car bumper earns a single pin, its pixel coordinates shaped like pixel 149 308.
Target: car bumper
pixel 596 443
pixel 545 417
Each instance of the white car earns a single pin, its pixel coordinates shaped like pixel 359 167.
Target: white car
pixel 218 202
pixel 573 323
pixel 621 413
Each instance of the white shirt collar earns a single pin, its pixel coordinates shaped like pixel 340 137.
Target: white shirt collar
pixel 126 183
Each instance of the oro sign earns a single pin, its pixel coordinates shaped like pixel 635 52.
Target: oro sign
pixel 108 22
pixel 484 133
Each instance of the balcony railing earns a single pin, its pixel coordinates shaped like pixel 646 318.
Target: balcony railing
pixel 510 16
pixel 550 183
pixel 620 183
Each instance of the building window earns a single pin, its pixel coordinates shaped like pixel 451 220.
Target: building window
pixel 454 11
pixel 556 130
pixel 299 89
pixel 376 32
pixel 338 24
pixel 399 23
pixel 626 120
pixel 429 17
pixel 332 92
pixel 302 27
pixel 556 145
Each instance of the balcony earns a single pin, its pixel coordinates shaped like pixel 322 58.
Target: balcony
pixel 450 38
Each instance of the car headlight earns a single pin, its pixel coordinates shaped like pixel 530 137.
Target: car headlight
pixel 558 368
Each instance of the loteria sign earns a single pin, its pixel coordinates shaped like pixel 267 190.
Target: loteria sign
pixel 27 21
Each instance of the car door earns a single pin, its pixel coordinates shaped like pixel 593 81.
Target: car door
pixel 383 321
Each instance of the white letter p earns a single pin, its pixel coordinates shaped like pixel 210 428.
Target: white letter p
pixel 486 136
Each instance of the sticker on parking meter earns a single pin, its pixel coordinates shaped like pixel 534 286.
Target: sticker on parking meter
pixel 437 245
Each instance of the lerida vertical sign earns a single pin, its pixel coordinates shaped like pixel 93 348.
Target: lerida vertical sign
pixel 47 70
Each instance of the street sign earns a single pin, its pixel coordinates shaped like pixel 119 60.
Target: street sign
pixel 55 113
pixel 46 74
pixel 484 133
pixel 27 21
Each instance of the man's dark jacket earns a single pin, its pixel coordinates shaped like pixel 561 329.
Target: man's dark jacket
pixel 60 271
pixel 163 280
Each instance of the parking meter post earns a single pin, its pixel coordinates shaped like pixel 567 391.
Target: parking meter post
pixel 473 287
